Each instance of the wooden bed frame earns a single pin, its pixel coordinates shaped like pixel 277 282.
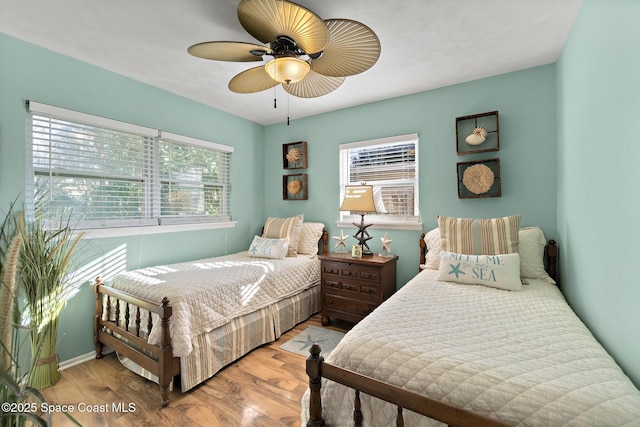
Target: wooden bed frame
pixel 317 369
pixel 130 342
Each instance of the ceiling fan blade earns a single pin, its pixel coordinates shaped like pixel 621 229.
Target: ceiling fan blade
pixel 353 48
pixel 252 80
pixel 313 85
pixel 228 51
pixel 267 19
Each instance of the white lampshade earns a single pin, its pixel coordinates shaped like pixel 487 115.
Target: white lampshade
pixel 287 69
pixel 358 198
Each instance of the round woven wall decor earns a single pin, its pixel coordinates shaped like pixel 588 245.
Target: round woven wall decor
pixel 478 178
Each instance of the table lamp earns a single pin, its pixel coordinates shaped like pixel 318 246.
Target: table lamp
pixel 359 199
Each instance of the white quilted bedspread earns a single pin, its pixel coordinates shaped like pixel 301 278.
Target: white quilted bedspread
pixel 522 357
pixel 207 293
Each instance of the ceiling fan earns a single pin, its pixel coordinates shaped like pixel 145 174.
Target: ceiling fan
pixel 311 56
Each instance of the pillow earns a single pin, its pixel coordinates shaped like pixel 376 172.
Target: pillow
pixel 479 236
pixel 496 271
pixel 432 239
pixel 531 248
pixel 268 248
pixel 280 228
pixel 310 234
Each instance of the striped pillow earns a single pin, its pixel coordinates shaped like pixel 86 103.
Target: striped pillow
pixel 479 236
pixel 280 228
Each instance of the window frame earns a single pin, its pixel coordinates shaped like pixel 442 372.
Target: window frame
pixel 384 221
pixel 152 221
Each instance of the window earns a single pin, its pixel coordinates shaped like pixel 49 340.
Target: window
pixel 391 166
pixel 102 173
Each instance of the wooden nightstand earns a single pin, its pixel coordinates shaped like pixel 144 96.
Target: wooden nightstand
pixel 354 287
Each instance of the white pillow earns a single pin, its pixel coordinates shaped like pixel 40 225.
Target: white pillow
pixel 496 271
pixel 531 248
pixel 310 234
pixel 432 239
pixel 262 247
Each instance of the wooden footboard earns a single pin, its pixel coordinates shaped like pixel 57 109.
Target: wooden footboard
pixel 317 369
pixel 115 312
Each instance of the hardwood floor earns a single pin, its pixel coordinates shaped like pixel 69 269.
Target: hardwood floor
pixel 264 388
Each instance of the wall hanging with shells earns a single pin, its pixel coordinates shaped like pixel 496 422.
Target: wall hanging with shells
pixel 294 155
pixel 477 133
pixel 479 179
pixel 294 187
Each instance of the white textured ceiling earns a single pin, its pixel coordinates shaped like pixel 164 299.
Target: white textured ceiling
pixel 426 44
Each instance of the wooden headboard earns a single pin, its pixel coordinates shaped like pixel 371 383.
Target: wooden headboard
pixel 550 255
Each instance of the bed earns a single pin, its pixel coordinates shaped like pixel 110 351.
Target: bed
pixel 191 319
pixel 440 352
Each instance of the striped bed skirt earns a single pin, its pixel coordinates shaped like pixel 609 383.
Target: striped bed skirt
pixel 216 349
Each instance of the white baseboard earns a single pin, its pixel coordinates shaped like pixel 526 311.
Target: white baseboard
pixel 81 359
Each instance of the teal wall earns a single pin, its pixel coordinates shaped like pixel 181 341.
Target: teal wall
pixel 598 154
pixel 526 104
pixel 28 72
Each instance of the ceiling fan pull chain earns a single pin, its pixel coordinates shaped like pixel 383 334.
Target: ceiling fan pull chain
pixel 287 108
pixel 274 97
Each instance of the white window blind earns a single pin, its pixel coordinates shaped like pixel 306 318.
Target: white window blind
pixel 194 182
pixel 101 173
pixel 391 166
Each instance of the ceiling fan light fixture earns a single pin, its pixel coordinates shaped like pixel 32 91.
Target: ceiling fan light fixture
pixel 287 69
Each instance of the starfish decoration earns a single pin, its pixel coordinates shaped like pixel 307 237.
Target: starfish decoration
pixel 386 243
pixel 362 236
pixel 456 270
pixel 341 240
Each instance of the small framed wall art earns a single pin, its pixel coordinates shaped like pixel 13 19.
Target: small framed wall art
pixel 294 187
pixel 479 179
pixel 477 133
pixel 294 155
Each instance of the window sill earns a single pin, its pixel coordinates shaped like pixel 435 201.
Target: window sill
pixel 98 233
pixel 382 225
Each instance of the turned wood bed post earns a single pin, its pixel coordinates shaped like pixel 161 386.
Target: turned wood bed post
pixel 325 241
pixel 96 318
pixel 315 383
pixel 166 352
pixel 423 251
pixel 551 252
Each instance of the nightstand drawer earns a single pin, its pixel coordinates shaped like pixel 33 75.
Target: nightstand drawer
pixel 359 273
pixel 348 288
pixel 331 268
pixel 371 290
pixel 332 302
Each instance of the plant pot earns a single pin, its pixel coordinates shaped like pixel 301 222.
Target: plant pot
pixel 44 370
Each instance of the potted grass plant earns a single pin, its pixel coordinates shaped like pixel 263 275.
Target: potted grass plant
pixel 20 403
pixel 46 280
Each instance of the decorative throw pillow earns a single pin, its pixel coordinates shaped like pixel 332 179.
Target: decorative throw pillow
pixel 310 234
pixel 280 228
pixel 479 236
pixel 268 248
pixel 531 248
pixel 496 271
pixel 432 239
